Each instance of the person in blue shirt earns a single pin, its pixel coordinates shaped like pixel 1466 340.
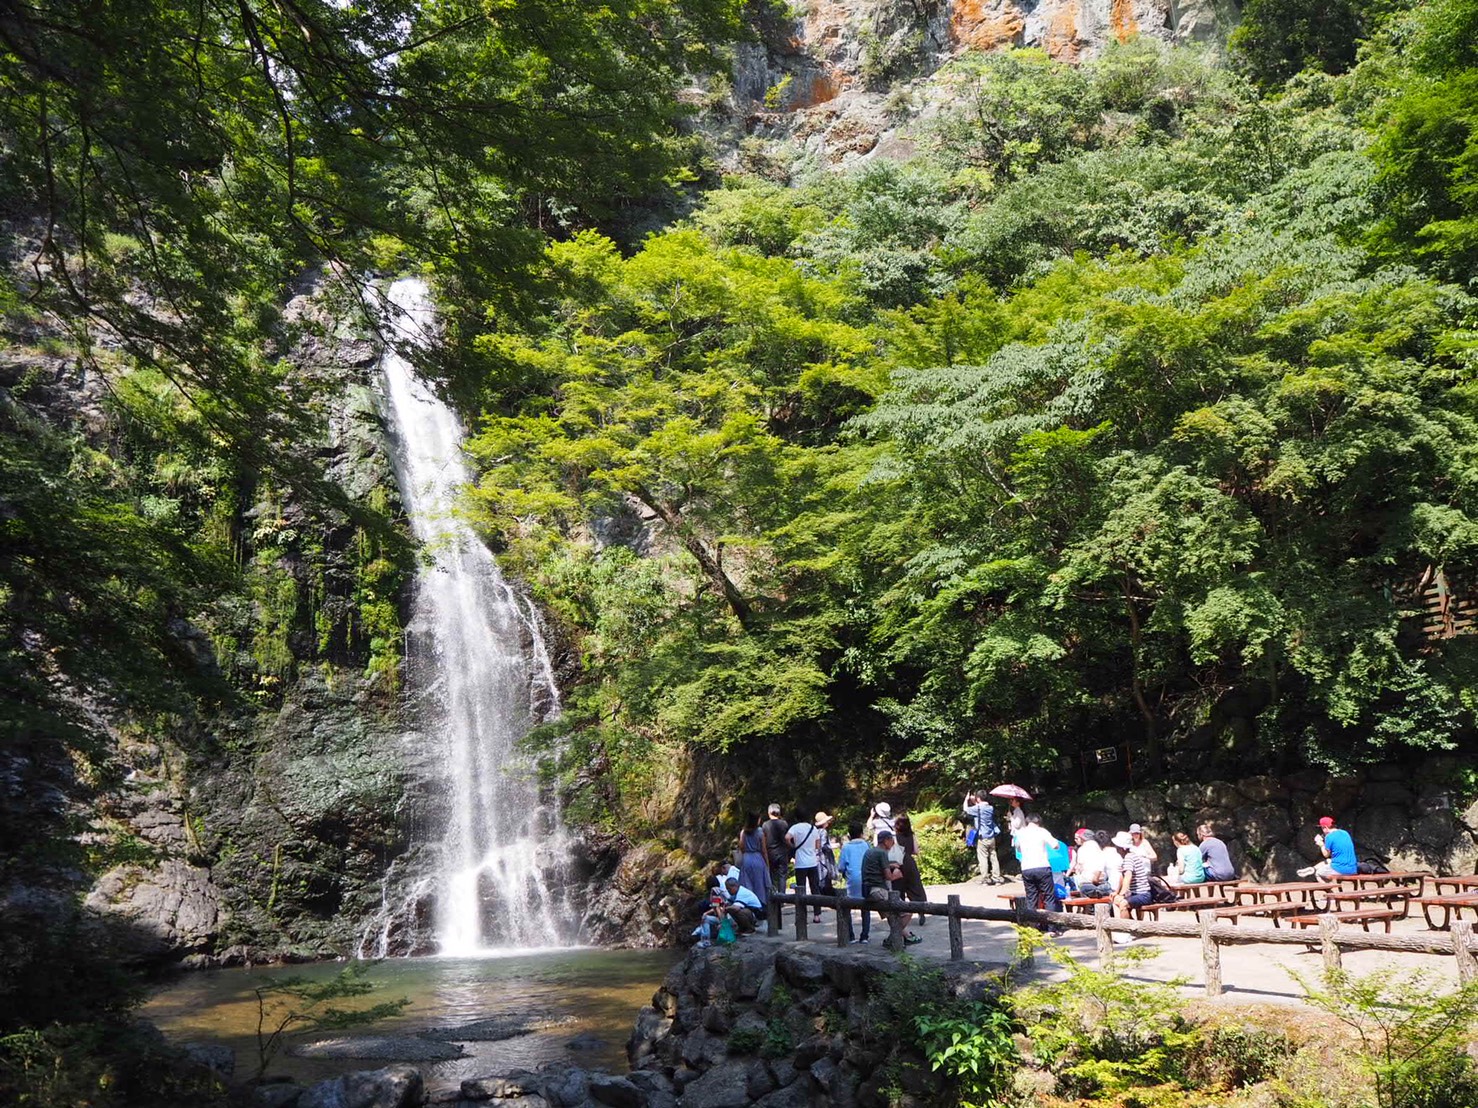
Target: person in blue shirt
pixel 736 902
pixel 982 817
pixel 849 865
pixel 1339 852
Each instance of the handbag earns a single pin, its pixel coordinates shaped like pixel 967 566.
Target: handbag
pixel 971 835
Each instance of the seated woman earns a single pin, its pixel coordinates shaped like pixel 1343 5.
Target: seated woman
pixel 1188 867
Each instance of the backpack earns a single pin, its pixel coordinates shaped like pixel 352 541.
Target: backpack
pixel 1161 892
pixel 1372 865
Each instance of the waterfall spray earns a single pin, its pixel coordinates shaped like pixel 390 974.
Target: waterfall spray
pixel 488 681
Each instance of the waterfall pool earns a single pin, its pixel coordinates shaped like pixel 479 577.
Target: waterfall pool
pixel 590 993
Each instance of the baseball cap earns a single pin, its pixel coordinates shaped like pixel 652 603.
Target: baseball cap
pixel 1135 829
pixel 1326 821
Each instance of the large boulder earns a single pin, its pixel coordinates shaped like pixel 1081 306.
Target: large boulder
pixel 391 1087
pixel 723 1086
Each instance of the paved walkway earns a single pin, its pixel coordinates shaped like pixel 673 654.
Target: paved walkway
pixel 1251 973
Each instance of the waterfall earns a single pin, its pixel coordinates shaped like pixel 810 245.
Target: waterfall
pixel 478 652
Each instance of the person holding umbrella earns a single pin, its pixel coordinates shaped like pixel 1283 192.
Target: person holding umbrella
pixel 1016 818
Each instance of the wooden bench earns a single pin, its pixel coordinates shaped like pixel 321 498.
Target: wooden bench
pixel 1364 917
pixel 1452 908
pixel 1084 904
pixel 1274 910
pixel 1195 904
pixel 1396 898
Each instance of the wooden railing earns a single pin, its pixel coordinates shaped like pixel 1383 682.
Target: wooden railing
pixel 1329 938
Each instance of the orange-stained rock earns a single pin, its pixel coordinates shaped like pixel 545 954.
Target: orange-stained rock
pixel 1063 32
pixel 817 88
pixel 1122 21
pixel 986 24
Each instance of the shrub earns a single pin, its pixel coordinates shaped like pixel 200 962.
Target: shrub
pixel 942 855
pixel 1412 1036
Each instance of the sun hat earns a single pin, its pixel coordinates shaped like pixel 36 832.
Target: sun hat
pixel 1326 821
pixel 1122 840
pixel 822 820
pixel 1135 829
pixel 883 809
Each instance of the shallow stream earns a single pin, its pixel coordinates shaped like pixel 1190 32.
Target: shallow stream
pixel 589 994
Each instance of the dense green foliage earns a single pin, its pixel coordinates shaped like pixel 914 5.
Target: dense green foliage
pixel 173 550
pixel 1138 405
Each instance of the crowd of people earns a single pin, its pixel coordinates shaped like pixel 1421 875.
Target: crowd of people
pixel 877 861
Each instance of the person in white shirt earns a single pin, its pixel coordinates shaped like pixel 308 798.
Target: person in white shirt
pixel 805 838
pixel 1142 846
pixel 1113 865
pixel 1033 842
pixel 880 819
pixel 1087 872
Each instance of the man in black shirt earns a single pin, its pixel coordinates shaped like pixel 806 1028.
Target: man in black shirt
pixel 878 873
pixel 777 850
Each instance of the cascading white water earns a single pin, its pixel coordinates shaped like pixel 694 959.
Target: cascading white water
pixel 489 681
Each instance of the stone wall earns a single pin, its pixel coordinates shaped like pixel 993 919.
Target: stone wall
pixel 775 1025
pixel 1421 814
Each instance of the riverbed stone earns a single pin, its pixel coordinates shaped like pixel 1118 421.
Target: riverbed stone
pixel 518 1083
pixel 565 1086
pixel 618 1092
pixel 703 1049
pixel 391 1087
pixel 277 1094
pixel 388 1048
pixel 216 1057
pixel 795 1095
pixel 650 1029
pixel 724 1086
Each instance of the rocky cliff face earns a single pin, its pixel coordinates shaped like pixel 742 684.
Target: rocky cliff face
pixel 261 825
pixel 847 81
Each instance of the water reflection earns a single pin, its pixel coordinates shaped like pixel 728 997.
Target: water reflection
pixel 597 992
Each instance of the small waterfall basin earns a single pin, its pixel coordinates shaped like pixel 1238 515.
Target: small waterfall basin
pixel 584 995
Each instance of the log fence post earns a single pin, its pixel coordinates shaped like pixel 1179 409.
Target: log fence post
pixel 801 916
pixel 842 920
pixel 772 916
pixel 1210 952
pixel 956 930
pixel 1104 936
pixel 1467 964
pixel 1328 929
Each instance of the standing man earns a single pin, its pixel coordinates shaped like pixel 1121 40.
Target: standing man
pixel 777 850
pixel 1339 851
pixel 878 873
pixel 850 867
pixel 1033 843
pixel 804 839
pixel 982 814
pixel 1214 855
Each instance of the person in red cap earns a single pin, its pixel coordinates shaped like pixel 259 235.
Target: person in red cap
pixel 1339 851
pixel 1088 873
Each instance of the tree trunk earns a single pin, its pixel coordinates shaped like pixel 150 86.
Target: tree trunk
pixel 707 562
pixel 1152 751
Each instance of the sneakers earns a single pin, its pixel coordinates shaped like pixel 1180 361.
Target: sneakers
pixel 912 940
pixel 1307 871
pixel 864 940
pixel 704 944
